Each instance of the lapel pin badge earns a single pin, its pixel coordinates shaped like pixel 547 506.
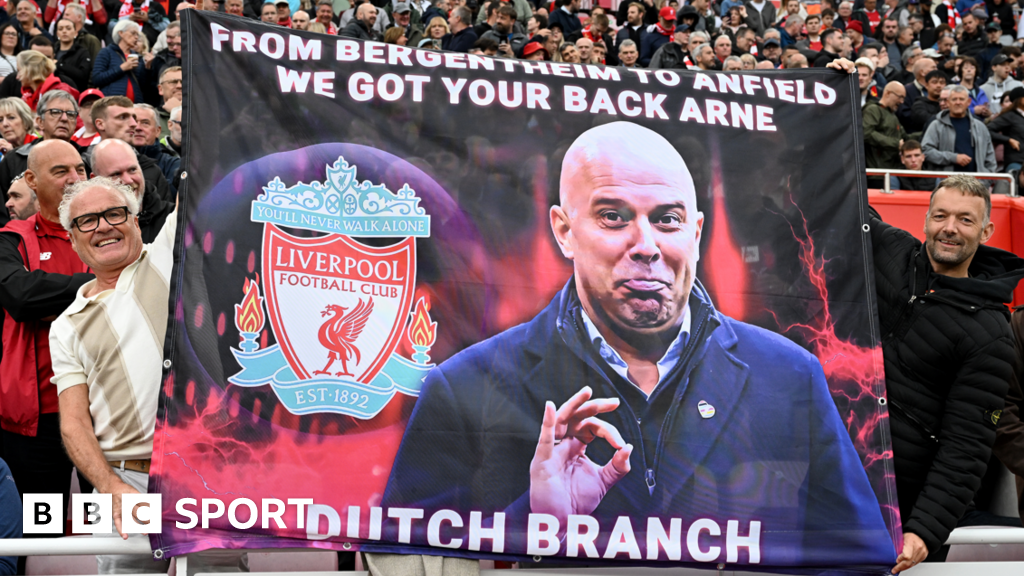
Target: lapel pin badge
pixel 706 410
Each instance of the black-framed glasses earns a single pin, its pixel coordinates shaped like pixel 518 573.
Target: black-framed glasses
pixel 57 113
pixel 178 122
pixel 90 222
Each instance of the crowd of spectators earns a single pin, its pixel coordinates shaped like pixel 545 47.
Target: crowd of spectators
pixel 94 87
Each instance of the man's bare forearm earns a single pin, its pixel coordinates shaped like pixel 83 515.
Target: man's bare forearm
pixel 82 446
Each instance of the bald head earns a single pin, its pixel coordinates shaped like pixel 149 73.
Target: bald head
pixel 116 159
pixel 893 95
pixel 922 67
pixel 645 153
pixel 52 165
pixel 628 220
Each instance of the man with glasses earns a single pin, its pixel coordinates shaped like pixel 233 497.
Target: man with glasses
pixel 163 60
pixel 56 116
pixel 172 142
pixel 108 404
pixel 170 87
pixel 39 276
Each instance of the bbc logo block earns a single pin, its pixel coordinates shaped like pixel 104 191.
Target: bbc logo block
pixel 43 514
pixel 91 514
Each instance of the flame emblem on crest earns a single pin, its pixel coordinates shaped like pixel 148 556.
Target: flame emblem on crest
pixel 249 314
pixel 422 331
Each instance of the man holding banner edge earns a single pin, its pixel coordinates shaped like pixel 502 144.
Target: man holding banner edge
pixel 636 325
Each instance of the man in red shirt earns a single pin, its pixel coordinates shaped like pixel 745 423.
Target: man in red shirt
pixel 39 276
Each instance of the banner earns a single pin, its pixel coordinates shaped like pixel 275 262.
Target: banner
pixel 442 303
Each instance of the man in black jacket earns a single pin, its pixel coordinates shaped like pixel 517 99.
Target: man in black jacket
pixel 948 355
pixel 362 25
pixel 118 160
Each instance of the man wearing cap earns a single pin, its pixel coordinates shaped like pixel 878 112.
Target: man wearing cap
pixel 855 32
pixel 760 16
pixel 634 28
pixel 658 35
pixel 993 48
pixel 673 54
pixel 284 13
pixel 1000 81
pixel 688 15
pixel 409 20
pixel 534 51
pixel 831 45
pixel 462 36
pixel 87 135
pixel 565 16
pixel 772 51
pixel 973 39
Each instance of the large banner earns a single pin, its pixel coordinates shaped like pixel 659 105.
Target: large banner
pixel 448 304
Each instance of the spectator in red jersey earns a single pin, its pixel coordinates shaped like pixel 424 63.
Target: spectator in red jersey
pixel 34 290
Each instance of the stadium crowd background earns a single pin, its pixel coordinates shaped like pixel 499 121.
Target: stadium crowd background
pixel 939 90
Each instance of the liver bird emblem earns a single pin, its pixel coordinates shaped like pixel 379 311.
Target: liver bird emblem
pixel 338 334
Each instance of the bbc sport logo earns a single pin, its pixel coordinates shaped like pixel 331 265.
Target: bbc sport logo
pixel 91 513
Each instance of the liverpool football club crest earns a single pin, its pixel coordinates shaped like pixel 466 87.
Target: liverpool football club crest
pixel 338 308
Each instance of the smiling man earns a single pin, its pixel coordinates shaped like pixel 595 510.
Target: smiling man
pixel 948 354
pixel 630 394
pixel 117 160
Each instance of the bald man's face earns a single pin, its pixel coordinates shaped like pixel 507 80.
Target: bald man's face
pixel 631 227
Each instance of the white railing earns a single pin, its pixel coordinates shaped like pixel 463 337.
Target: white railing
pixel 86 545
pixel 886 189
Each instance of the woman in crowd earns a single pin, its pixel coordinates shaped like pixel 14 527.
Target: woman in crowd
pixel 9 49
pixel 316 27
pixel 732 22
pixel 15 124
pixel 436 30
pixel 967 71
pixel 119 70
pixel 1008 128
pixel 35 72
pixel 395 35
pixel 73 59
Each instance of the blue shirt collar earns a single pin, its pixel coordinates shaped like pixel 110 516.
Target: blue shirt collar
pixel 612 358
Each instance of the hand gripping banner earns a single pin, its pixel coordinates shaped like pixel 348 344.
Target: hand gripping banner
pixel 440 303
